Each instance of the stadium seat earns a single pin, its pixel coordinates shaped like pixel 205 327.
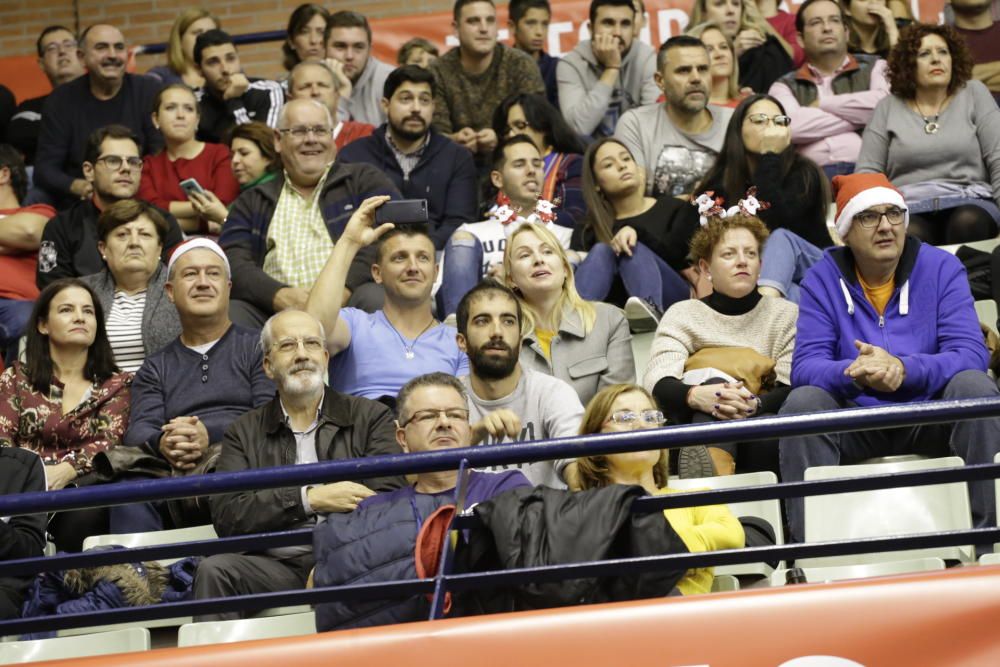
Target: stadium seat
pixel 641 343
pixel 130 540
pixel 986 309
pixel 770 510
pixel 224 632
pixel 989 559
pixel 104 643
pixel 820 574
pixel 897 511
pixel 724 583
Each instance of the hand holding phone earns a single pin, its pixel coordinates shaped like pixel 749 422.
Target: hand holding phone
pixel 189 185
pixel 402 212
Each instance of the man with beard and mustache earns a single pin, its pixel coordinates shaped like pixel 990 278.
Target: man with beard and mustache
pixel 111 166
pixel 608 74
pixel 886 320
pixel 312 79
pixel 677 141
pixel 177 408
pixel 106 95
pixel 420 161
pixel 229 97
pixel 508 403
pixel 305 423
pixel 374 354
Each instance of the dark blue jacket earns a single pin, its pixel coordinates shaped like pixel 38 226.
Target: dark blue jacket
pixel 445 176
pixel 376 543
pixel 244 234
pixel 930 324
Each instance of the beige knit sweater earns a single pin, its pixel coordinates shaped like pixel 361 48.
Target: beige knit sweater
pixel 691 325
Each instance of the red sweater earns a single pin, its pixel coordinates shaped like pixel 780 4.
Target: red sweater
pixel 161 177
pixel 18 271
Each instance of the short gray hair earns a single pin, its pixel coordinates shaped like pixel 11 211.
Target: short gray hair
pixel 267 336
pixel 436 379
pixel 283 114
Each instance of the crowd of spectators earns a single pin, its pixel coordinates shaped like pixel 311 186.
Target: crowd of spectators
pixel 197 275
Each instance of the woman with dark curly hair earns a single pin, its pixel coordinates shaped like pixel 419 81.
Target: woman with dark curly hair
pixel 937 138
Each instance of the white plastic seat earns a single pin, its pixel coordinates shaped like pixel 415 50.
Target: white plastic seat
pixel 862 571
pixel 724 583
pixel 224 632
pixel 153 538
pixel 128 640
pixel 989 559
pixel 886 512
pixel 641 343
pixel 769 510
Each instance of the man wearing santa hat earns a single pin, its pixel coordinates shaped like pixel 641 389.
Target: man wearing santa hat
pixel 886 320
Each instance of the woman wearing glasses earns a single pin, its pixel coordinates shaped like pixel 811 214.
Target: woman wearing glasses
pixel 626 407
pixel 937 138
pixel 184 158
pixel 729 355
pixel 758 152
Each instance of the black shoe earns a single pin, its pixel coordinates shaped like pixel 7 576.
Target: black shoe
pixel 694 463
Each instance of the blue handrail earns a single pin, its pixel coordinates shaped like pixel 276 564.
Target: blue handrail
pixel 677 436
pixel 248 38
pixel 764 428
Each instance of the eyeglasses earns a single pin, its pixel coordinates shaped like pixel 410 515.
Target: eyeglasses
pixel 55 47
pixel 871 219
pixel 517 126
pixel 428 417
pixel 289 345
pixel 630 417
pixel 115 162
pixel 302 131
pixel 779 120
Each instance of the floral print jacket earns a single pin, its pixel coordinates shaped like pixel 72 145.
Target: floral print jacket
pixel 33 420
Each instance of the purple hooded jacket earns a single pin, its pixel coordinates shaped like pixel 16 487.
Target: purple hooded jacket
pixel 930 324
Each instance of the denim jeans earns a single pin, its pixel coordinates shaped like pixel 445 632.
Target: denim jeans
pixel 14 316
pixel 975 440
pixel 784 263
pixel 461 270
pixel 644 275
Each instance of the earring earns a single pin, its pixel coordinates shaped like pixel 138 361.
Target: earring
pixel 709 277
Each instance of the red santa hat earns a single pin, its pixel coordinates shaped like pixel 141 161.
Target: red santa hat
pixel 856 192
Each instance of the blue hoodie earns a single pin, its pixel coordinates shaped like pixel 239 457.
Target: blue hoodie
pixel 930 324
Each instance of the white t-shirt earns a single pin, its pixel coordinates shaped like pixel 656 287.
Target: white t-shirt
pixel 548 408
pixel 493 235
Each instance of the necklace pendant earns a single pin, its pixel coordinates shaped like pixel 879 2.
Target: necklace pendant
pixel 931 127
pixel 409 353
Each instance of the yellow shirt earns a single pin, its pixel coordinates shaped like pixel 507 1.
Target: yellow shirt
pixel 879 295
pixel 298 242
pixel 545 341
pixel 703 528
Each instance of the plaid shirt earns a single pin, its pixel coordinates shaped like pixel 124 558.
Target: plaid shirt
pixel 407 161
pixel 298 243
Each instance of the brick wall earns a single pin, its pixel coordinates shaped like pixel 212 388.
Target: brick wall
pixel 148 21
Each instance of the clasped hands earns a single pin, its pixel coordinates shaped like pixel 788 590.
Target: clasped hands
pixel 876 369
pixel 729 400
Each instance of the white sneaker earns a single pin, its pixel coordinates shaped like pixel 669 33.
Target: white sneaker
pixel 642 315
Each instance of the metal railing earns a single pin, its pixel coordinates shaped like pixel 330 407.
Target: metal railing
pixel 764 428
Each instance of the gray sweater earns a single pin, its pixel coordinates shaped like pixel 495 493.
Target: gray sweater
pixel 588 362
pixel 364 105
pixel 965 150
pixel 160 322
pixel 593 108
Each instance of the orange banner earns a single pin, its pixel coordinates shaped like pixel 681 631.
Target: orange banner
pixel 942 618
pixel 664 18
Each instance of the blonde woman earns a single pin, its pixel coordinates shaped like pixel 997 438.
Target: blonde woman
pixel 626 407
pixel 763 54
pixel 180 67
pixel 584 343
pixel 725 89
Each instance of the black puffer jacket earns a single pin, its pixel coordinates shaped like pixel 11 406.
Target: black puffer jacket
pixel 532 527
pixel 21 471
